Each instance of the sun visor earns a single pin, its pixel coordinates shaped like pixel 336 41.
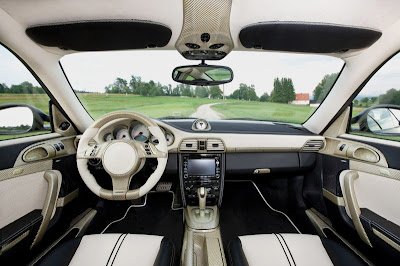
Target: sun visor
pixel 101 35
pixel 307 37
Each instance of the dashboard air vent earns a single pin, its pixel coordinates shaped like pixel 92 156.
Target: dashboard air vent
pixel 313 146
pixel 188 145
pixel 215 145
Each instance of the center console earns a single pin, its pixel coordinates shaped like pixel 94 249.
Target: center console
pixel 198 170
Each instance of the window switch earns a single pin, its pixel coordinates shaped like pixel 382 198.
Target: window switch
pixel 342 147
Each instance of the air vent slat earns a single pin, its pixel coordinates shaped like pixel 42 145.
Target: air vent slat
pixel 188 145
pixel 313 146
pixel 215 145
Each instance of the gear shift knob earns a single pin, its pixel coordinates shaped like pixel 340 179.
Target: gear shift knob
pixel 202 195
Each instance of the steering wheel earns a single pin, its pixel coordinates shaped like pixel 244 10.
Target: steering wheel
pixel 121 159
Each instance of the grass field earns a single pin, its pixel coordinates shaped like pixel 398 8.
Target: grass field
pixel 265 110
pixel 100 104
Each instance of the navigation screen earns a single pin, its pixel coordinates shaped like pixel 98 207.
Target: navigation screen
pixel 201 167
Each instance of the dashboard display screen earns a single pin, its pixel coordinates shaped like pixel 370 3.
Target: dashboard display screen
pixel 201 167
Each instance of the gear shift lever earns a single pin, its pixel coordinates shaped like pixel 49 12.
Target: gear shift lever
pixel 202 195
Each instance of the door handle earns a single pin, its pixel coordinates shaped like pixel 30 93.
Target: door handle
pixel 352 205
pixel 49 204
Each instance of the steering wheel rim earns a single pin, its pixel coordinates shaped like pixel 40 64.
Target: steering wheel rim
pixel 121 174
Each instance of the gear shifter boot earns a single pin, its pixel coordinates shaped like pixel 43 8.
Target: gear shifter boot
pixel 202 215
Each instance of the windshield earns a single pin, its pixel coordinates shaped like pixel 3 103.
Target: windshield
pixel 266 86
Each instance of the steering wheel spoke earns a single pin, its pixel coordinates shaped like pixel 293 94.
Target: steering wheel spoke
pixel 92 152
pixel 148 150
pixel 120 186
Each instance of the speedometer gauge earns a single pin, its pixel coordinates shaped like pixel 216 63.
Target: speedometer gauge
pixel 122 133
pixel 140 132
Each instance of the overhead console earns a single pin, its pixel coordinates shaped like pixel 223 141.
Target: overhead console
pixel 205 35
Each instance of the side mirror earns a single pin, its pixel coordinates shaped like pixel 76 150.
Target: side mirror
pixel 18 119
pixel 202 75
pixel 380 119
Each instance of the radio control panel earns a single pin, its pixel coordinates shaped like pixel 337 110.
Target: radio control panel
pixel 202 170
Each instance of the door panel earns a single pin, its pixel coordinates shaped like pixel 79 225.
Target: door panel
pixel 32 190
pixel 376 193
pixel 362 195
pixel 21 195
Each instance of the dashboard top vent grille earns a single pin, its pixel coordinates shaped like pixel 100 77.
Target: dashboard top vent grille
pixel 215 145
pixel 188 145
pixel 313 146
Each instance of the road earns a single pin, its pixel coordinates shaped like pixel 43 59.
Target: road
pixel 206 112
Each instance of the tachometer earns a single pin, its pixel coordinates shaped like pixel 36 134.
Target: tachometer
pixel 140 132
pixel 122 133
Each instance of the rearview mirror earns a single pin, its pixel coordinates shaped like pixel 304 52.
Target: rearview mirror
pixel 202 75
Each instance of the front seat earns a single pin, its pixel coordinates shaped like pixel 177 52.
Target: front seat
pixel 112 249
pixel 289 249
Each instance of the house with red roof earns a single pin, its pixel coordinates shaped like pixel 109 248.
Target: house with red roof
pixel 302 99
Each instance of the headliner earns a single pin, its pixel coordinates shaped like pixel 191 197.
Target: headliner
pixel 375 14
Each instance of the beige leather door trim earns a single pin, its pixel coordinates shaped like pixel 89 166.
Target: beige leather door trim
pixel 352 204
pixel 339 201
pixel 61 202
pixel 49 204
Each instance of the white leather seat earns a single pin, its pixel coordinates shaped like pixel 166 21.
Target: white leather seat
pixel 289 249
pixel 113 249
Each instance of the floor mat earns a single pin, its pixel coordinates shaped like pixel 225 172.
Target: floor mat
pixel 156 218
pixel 243 212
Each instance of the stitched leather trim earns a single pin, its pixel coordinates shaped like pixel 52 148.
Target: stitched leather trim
pixel 114 249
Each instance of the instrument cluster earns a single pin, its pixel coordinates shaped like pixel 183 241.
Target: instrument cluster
pixel 136 131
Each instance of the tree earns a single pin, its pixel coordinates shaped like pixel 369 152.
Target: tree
pixel 215 92
pixel 283 91
pixel 392 96
pixel 264 97
pixel 185 90
pixel 201 92
pixel 3 88
pixel 251 94
pixel 324 86
pixel 374 99
pixel 119 86
pixel 245 92
pixel 355 103
pixel 176 91
pixel 365 100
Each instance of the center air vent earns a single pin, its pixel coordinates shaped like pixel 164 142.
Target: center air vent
pixel 313 146
pixel 188 145
pixel 215 145
pixel 202 145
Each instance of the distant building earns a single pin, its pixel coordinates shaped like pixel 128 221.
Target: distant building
pixel 302 99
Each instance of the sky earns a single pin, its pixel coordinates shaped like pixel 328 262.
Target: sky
pixel 92 71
